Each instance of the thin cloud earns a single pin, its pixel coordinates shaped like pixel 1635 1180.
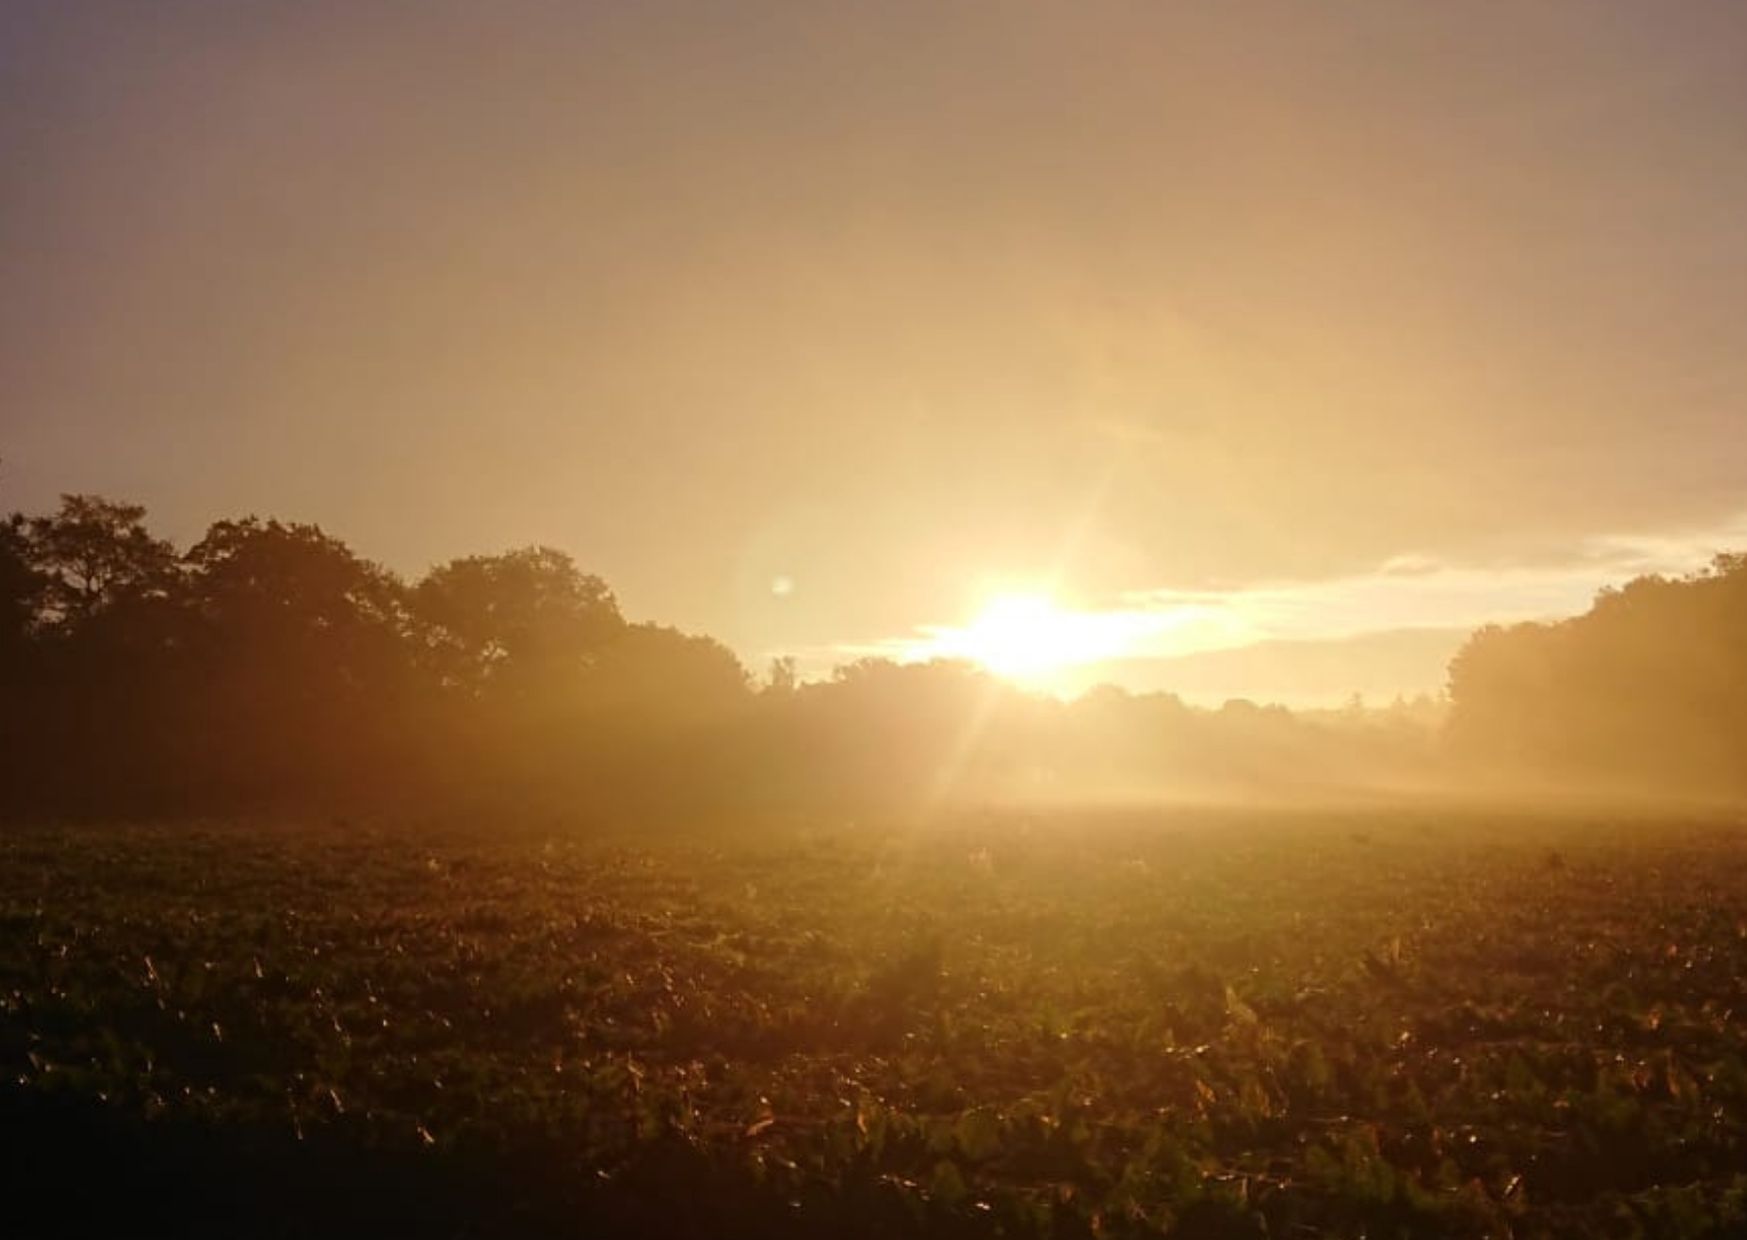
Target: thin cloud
pixel 1407 591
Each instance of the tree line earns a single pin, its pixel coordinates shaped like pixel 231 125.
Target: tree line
pixel 270 664
pixel 270 667
pixel 1645 692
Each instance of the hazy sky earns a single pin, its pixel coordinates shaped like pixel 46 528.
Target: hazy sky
pixel 1273 308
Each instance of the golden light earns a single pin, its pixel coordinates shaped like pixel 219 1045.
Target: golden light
pixel 1026 637
pixel 1031 639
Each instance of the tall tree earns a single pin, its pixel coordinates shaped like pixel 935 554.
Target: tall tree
pixel 293 587
pixel 94 554
pixel 302 650
pixel 21 588
pixel 507 623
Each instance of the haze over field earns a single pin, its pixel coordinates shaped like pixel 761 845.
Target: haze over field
pixel 1142 332
pixel 891 619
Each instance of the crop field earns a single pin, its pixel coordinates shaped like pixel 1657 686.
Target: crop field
pixel 1189 1024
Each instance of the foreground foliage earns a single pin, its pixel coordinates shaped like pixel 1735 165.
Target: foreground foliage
pixel 1382 1024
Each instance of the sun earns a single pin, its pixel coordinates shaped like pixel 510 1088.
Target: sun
pixel 1031 639
pixel 1027 637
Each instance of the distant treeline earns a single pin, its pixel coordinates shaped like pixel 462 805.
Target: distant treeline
pixel 1645 692
pixel 270 668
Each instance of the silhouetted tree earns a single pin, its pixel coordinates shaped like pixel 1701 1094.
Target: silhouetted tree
pixel 95 553
pixel 100 588
pixel 658 673
pixel 303 654
pixel 511 622
pixel 783 678
pixel 21 590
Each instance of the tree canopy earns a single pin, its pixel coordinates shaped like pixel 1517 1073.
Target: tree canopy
pixel 270 665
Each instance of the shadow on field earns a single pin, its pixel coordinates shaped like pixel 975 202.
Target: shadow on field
pixel 74 1168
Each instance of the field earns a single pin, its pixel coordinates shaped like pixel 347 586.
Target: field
pixel 1193 1024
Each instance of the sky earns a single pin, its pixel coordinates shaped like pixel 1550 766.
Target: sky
pixel 1325 332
